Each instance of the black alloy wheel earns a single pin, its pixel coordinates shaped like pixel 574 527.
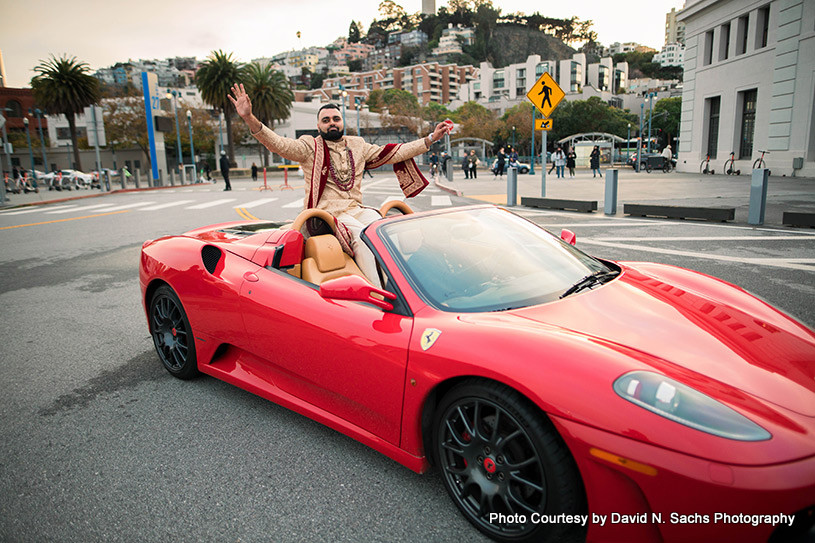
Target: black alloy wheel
pixel 504 465
pixel 172 334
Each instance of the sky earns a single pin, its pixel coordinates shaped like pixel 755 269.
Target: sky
pixel 103 32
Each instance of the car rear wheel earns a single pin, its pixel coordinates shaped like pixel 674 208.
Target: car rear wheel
pixel 172 334
pixel 504 465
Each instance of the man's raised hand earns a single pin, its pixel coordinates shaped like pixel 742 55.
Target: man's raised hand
pixel 241 101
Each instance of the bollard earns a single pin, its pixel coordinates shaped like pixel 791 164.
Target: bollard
pixel 138 179
pixel 161 178
pixel 172 178
pixel 123 178
pixel 512 187
pixel 107 181
pixel 610 204
pixel 183 177
pixel 758 196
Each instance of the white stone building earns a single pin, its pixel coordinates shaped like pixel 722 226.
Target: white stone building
pixel 749 84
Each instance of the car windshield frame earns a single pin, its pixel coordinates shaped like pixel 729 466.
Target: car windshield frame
pixel 483 259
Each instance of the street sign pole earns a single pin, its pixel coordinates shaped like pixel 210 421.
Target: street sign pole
pixel 532 158
pixel 545 94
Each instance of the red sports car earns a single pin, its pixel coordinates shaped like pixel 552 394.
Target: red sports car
pixel 561 396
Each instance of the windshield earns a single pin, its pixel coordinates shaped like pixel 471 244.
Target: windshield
pixel 484 259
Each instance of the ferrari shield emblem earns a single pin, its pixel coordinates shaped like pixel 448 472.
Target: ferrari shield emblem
pixel 429 337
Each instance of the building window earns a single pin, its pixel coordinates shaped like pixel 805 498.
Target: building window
pixel 521 73
pixel 724 41
pixel 713 106
pixel 14 110
pixel 748 122
pixel 498 79
pixel 741 35
pixel 541 68
pixel 708 58
pixel 763 27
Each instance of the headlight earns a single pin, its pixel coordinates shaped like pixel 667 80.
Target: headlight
pixel 680 403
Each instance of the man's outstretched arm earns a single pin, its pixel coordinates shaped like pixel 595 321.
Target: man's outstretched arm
pixel 287 148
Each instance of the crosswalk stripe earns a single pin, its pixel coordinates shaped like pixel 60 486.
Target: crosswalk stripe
pixel 296 203
pixel 35 209
pixel 257 203
pixel 211 204
pixel 72 209
pixel 443 200
pixel 168 204
pixel 124 206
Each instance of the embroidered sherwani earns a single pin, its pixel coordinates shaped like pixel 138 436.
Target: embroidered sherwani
pixel 333 174
pixel 306 150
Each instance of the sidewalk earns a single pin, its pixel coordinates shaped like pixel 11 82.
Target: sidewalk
pixel 795 194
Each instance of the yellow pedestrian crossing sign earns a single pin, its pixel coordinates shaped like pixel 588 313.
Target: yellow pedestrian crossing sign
pixel 543 124
pixel 545 94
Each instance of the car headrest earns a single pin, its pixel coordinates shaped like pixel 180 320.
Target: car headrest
pixel 326 252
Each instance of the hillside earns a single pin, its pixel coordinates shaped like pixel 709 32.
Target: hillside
pixel 511 44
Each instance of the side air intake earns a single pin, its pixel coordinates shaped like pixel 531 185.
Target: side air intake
pixel 210 256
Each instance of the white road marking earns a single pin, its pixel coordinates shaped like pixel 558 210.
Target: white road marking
pixel 805 264
pixel 34 209
pixel 256 203
pixel 123 206
pixel 296 203
pixel 212 203
pixel 166 205
pixel 83 208
pixel 440 200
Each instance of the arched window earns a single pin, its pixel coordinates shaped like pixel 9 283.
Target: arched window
pixel 13 109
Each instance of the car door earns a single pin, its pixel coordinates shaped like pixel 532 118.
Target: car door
pixel 348 358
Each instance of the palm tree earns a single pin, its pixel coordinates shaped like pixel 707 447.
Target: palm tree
pixel 214 79
pixel 271 96
pixel 63 86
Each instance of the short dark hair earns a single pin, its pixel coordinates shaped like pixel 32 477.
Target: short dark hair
pixel 327 106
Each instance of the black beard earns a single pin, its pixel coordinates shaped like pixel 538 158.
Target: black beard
pixel 333 134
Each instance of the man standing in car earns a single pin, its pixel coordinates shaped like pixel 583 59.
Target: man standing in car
pixel 224 164
pixel 333 164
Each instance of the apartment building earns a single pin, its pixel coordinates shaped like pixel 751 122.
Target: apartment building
pixel 749 84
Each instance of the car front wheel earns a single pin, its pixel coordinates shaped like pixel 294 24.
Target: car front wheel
pixel 172 334
pixel 504 465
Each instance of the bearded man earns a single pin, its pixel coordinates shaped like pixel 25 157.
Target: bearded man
pixel 333 164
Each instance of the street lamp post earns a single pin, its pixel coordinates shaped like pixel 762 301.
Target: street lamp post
pixel 38 113
pixel 30 150
pixel 650 115
pixel 192 148
pixel 358 101
pixel 628 143
pixel 173 95
pixel 513 138
pixel 344 93
pixel 639 139
pixel 220 132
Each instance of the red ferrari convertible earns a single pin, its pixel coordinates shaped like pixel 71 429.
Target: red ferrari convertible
pixel 562 397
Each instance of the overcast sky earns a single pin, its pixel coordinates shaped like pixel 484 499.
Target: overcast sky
pixel 103 32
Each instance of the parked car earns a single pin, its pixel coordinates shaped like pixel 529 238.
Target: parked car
pixel 543 383
pixel 523 167
pixel 68 179
pixel 652 161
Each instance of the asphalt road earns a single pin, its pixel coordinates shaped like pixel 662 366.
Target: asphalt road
pixel 99 443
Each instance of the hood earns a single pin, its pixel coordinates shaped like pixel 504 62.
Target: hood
pixel 698 323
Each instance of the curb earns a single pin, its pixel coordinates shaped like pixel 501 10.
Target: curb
pixel 451 190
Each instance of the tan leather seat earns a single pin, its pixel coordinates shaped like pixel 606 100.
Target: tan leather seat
pixel 325 260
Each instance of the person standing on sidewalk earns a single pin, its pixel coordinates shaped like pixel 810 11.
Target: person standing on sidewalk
pixel 224 164
pixel 472 164
pixel 560 161
pixel 465 165
pixel 571 161
pixel 500 163
pixel 254 172
pixel 594 159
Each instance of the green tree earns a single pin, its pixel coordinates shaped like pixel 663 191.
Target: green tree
pixel 353 33
pixel 592 115
pixel 214 79
pixel 666 117
pixel 476 121
pixel 64 86
pixel 519 117
pixel 271 96
pixel 435 113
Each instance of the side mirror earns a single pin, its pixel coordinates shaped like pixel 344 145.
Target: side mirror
pixel 356 289
pixel 568 236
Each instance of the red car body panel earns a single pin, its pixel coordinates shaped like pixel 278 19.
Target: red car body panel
pixel 365 373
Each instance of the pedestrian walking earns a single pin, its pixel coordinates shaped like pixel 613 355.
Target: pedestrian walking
pixel 224 164
pixel 445 158
pixel 472 164
pixel 500 162
pixel 594 160
pixel 254 172
pixel 571 161
pixel 207 170
pixel 560 162
pixel 465 165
